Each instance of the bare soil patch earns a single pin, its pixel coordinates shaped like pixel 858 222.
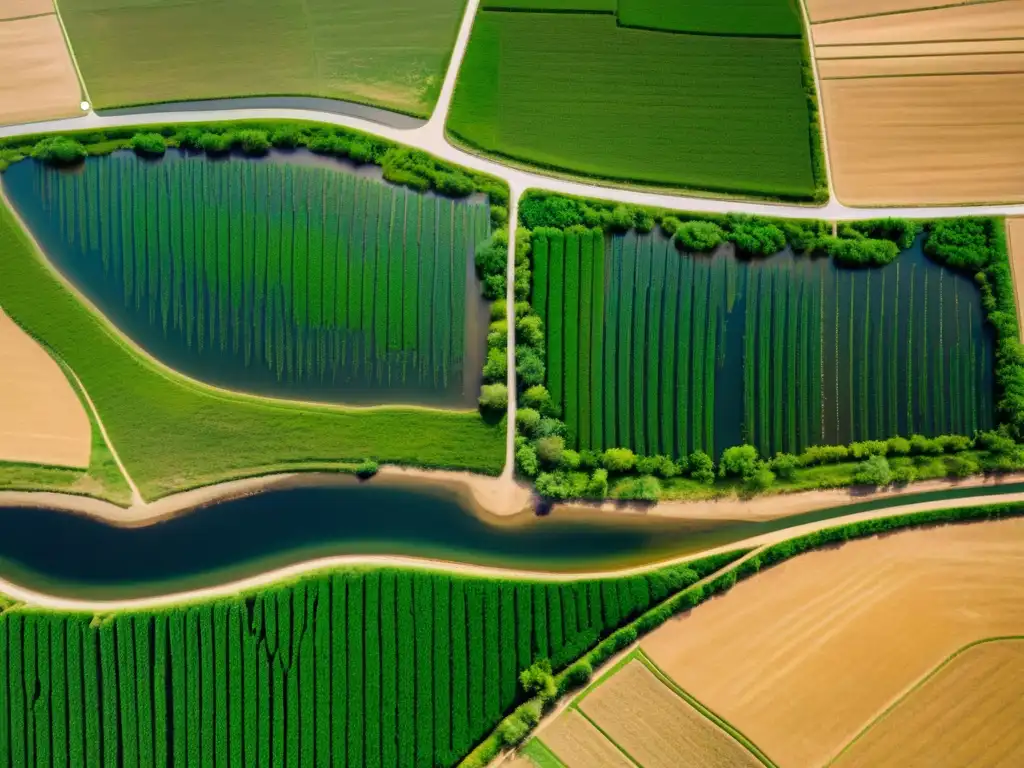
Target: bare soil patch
pixel 980 21
pixel 969 713
pixel 39 79
pixel 800 658
pixel 42 421
pixel 828 10
pixel 980 63
pixel 578 744
pixel 657 727
pixel 926 140
pixel 15 9
pixel 956 47
pixel 1015 243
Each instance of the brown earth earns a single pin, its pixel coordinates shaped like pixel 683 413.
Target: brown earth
pixel 926 140
pixel 578 744
pixel 826 10
pixel 803 656
pixel 1015 243
pixel 15 9
pixel 1002 19
pixel 981 63
pixel 42 421
pixel 39 80
pixel 969 713
pixel 957 47
pixel 656 727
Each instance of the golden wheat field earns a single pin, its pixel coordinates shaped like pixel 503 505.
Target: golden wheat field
pixel 828 10
pixel 42 420
pixel 38 81
pixel 578 744
pixel 803 656
pixel 969 713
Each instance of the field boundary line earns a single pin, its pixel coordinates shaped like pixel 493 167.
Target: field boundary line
pixel 712 716
pixel 71 53
pixel 27 16
pixel 437 119
pixel 922 74
pixel 1014 271
pixel 508 473
pixel 812 59
pixel 177 377
pixel 928 42
pixel 914 687
pixel 607 737
pixel 908 11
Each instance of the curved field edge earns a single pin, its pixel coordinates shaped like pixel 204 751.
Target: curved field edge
pixel 518 725
pixel 175 434
pixel 905 696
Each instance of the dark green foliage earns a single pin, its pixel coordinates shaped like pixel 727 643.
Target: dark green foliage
pixel 152 144
pixel 59 150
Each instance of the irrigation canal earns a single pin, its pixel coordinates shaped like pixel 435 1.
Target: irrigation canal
pixel 57 553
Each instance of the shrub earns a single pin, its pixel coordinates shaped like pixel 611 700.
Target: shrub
pixel 286 137
pixel 496 367
pixel 903 475
pixel 597 488
pixel 784 465
pixel 216 143
pixel 760 480
pixel 739 461
pixel 537 679
pixel 254 141
pixel 959 466
pixel 644 488
pixel 702 469
pixel 494 397
pixel 526 461
pixel 618 459
pixel 152 144
pixel 367 469
pixel 570 460
pixel 960 243
pixel 537 397
pixel 755 236
pixel 529 330
pixel 699 236
pixel 527 420
pixel 59 150
pixel 898 446
pixel 549 449
pixel 499 309
pixel 529 366
pixel 875 471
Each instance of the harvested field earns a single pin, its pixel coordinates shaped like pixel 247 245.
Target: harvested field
pixel 910 140
pixel 392 54
pixel 16 9
pixel 978 64
pixel 981 21
pixel 42 421
pixel 803 656
pixel 829 10
pixel 1015 244
pixel 950 48
pixel 42 82
pixel 656 727
pixel 578 744
pixel 969 713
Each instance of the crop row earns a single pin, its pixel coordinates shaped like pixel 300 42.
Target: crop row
pixel 301 270
pixel 369 668
pixel 667 353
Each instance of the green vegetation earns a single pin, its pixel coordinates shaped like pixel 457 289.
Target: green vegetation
pixel 560 6
pixel 517 726
pixel 755 18
pixel 291 277
pixel 361 52
pixel 794 360
pixel 359 667
pixel 174 434
pixel 725 114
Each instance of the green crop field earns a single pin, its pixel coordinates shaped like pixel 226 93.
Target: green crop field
pixel 391 54
pixel 666 353
pixel 365 668
pixel 272 277
pixel 174 434
pixel 756 18
pixel 581 94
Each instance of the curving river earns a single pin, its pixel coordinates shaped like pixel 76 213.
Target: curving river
pixel 314 517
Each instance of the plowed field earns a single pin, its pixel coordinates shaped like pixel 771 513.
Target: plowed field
pixel 579 744
pixel 38 80
pixel 802 657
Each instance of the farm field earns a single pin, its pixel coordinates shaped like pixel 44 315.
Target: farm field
pixel 42 420
pixel 832 10
pixel 756 18
pixel 794 657
pixel 1015 244
pixel 697 124
pixel 893 89
pixel 274 277
pixel 667 353
pixel 969 713
pixel 40 81
pixel 390 54
pixel 370 667
pixel 655 726
pixel 576 743
pixel 174 434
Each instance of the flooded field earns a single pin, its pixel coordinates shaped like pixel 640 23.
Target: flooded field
pixel 677 352
pixel 290 276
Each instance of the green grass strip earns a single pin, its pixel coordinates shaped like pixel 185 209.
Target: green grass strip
pixel 174 433
pixel 537 752
pixel 598 414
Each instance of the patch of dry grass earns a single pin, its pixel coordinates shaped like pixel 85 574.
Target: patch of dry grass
pixel 38 79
